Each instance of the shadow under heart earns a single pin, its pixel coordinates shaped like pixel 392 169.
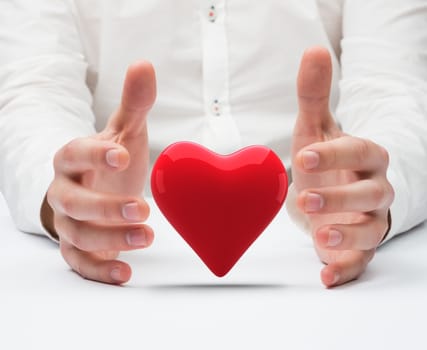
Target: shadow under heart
pixel 212 286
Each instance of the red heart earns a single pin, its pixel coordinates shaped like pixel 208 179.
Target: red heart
pixel 219 204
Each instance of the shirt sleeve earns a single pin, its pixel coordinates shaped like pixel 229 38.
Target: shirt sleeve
pixel 44 100
pixel 383 94
pixel 383 97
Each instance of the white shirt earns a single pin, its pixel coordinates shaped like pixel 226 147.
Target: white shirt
pixel 226 78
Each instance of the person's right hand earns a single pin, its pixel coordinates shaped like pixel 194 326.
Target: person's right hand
pixel 94 203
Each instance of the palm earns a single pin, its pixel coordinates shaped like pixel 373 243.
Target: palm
pixel 128 128
pixel 314 125
pixel 130 181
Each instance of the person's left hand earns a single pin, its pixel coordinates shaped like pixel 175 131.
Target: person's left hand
pixel 340 180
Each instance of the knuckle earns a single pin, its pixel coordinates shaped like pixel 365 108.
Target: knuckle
pixel 69 256
pixel 96 155
pixel 50 195
pixel 382 194
pixel 58 161
pixel 331 156
pixel 350 240
pixel 384 156
pixel 78 267
pixel 335 201
pixel 378 193
pixel 67 202
pixel 374 230
pixel 75 236
pixel 64 250
pixel 390 194
pixel 68 152
pixel 362 148
pixel 66 156
pixel 58 222
pixel 75 239
pixel 105 209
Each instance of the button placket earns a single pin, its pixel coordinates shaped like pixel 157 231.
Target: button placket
pixel 222 127
pixel 212 14
pixel 215 58
pixel 216 108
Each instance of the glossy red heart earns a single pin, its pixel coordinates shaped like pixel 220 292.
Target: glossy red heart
pixel 219 204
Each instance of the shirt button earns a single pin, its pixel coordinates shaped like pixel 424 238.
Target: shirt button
pixel 216 108
pixel 212 14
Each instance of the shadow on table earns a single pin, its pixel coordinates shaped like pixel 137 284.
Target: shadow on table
pixel 212 286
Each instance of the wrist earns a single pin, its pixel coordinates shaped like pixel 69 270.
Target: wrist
pixel 47 219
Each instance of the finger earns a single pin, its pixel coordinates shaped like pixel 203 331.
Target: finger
pixel 360 196
pixel 346 152
pixel 365 235
pixel 313 86
pixel 139 94
pixel 93 238
pixel 94 268
pixel 346 268
pixel 107 254
pixel 71 199
pixel 87 153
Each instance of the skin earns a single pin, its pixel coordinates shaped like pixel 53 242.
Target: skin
pixel 340 180
pixel 95 208
pixel 94 203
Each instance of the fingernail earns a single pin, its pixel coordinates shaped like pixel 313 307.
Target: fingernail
pixel 112 157
pixel 130 211
pixel 116 274
pixel 136 238
pixel 313 202
pixel 310 159
pixel 334 238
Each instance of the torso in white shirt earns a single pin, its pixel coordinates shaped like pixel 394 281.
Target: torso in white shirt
pixel 226 70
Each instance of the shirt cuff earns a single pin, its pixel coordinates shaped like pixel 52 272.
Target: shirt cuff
pixel 32 222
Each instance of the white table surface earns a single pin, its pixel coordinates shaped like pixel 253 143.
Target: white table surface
pixel 272 299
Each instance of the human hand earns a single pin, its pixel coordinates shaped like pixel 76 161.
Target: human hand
pixel 94 203
pixel 340 180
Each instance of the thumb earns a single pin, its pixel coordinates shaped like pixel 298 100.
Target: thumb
pixel 314 86
pixel 138 96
